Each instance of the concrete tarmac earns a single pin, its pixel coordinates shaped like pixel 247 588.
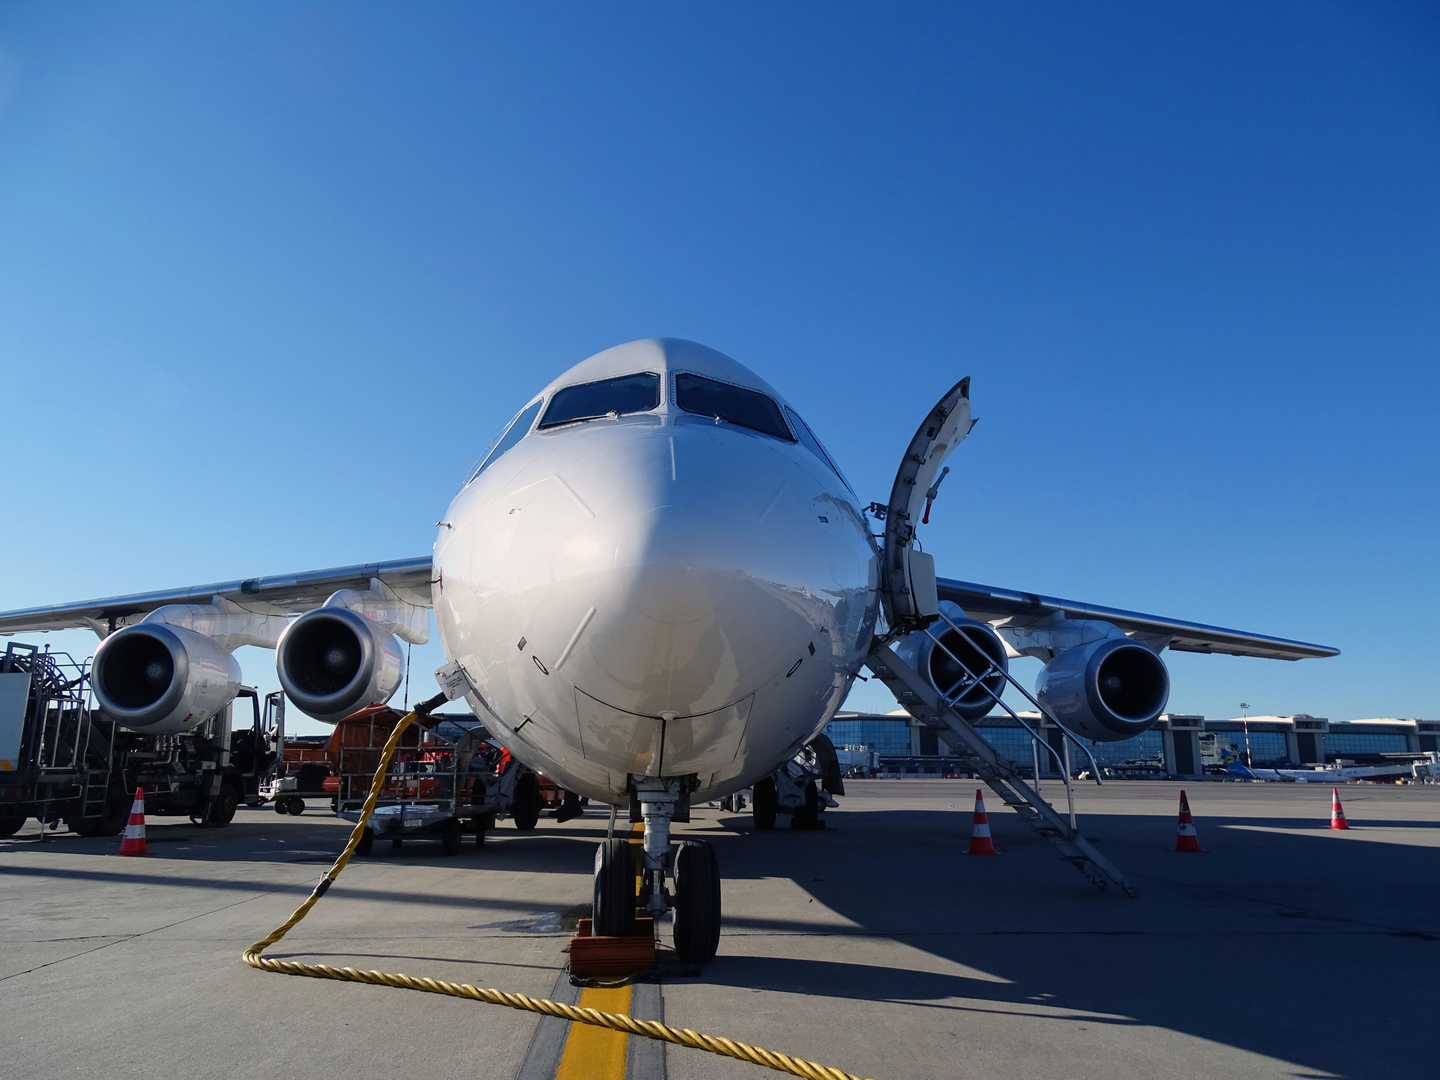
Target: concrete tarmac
pixel 877 946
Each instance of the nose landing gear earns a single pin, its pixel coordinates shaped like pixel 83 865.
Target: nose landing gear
pixel 691 866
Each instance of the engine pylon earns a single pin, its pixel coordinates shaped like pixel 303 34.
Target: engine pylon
pixel 133 842
pixel 980 842
pixel 1337 812
pixel 1186 838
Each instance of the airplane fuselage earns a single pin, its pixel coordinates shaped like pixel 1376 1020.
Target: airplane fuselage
pixel 658 593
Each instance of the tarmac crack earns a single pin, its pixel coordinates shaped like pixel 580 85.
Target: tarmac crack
pixel 120 939
pixel 1286 910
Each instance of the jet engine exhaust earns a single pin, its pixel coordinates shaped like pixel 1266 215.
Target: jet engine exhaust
pixel 162 679
pixel 333 661
pixel 1105 690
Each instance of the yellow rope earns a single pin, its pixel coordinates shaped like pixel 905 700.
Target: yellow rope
pixel 650 1029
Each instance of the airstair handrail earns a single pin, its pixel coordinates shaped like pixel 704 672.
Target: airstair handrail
pixel 1094 768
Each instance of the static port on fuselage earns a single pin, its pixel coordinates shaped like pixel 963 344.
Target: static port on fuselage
pixel 657 592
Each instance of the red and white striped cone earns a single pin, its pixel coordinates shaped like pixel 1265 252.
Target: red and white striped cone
pixel 1337 812
pixel 980 842
pixel 1186 838
pixel 134 841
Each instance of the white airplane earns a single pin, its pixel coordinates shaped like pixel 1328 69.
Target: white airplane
pixel 656 588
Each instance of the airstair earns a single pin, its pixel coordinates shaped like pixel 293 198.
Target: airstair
pixel 922 701
pixel 908 592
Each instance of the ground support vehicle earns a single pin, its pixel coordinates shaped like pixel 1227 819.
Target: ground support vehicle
pixel 304 767
pixel 62 760
pixel 206 773
pixel 446 779
pixel 857 762
pixel 58 756
pixel 288 791
pixel 401 821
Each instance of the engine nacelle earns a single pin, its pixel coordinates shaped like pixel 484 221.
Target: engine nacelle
pixel 162 679
pixel 976 645
pixel 333 661
pixel 1105 690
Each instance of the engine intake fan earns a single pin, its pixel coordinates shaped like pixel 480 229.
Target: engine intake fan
pixel 975 645
pixel 333 661
pixel 162 679
pixel 1105 690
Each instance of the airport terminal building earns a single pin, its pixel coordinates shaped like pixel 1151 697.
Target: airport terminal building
pixel 1179 745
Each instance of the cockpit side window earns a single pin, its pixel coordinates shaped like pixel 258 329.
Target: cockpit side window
pixel 811 443
pixel 732 404
pixel 590 401
pixel 518 429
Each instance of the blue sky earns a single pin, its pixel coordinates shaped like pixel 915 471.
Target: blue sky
pixel 272 276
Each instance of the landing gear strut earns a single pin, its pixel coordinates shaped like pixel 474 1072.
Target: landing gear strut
pixel 691 865
pixel 804 787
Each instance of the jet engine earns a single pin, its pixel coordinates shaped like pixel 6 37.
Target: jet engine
pixel 162 679
pixel 1105 690
pixel 333 661
pixel 975 645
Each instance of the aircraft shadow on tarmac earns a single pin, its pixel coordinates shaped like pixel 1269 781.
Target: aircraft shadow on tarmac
pixel 1249 945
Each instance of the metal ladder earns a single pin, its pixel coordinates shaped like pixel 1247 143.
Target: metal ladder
pixel 919 698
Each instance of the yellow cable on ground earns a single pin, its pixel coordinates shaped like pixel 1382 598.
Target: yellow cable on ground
pixel 650 1029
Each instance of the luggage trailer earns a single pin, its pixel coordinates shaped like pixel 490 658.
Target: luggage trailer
pixel 446 780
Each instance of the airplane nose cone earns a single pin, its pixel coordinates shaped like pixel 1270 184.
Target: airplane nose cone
pixel 664 575
pixel 689 617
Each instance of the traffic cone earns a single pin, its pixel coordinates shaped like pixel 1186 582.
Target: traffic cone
pixel 1337 812
pixel 134 841
pixel 1186 838
pixel 980 842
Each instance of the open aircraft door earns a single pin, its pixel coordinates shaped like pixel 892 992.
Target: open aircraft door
pixel 907 576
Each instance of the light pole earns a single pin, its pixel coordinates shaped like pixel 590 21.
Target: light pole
pixel 1245 723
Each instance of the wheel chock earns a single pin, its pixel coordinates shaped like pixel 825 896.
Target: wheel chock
pixel 610 957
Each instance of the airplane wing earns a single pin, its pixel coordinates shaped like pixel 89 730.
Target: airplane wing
pixel 281 594
pixel 990 604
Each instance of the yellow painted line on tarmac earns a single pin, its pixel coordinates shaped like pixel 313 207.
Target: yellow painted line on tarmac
pixel 596 1053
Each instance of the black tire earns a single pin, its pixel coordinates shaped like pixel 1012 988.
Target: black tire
pixel 697 902
pixel 482 826
pixel 282 804
pixel 765 804
pixel 526 806
pixel 450 837
pixel 10 824
pixel 223 806
pixel 396 844
pixel 111 822
pixel 808 816
pixel 117 814
pixel 614 910
pixel 296 806
pixel 367 842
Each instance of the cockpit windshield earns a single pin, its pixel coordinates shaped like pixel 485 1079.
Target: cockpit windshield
pixel 589 401
pixel 518 429
pixel 731 404
pixel 811 443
